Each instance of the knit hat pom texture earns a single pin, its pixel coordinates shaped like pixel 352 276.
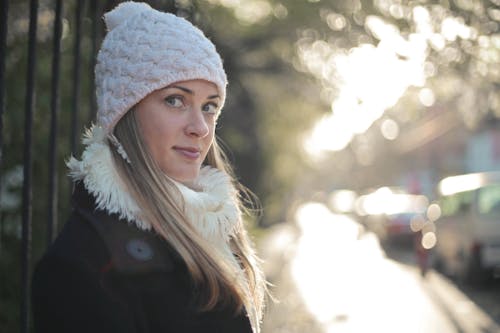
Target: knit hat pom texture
pixel 124 11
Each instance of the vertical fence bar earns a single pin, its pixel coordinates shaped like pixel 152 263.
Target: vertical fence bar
pixel 28 162
pixel 94 36
pixel 55 105
pixel 76 76
pixel 4 8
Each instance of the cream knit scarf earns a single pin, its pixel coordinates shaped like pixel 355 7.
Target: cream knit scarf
pixel 210 204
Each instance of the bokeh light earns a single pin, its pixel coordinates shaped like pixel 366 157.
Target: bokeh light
pixel 452 185
pixel 342 201
pixel 429 240
pixel 389 129
pixel 417 223
pixel 401 59
pixel 433 212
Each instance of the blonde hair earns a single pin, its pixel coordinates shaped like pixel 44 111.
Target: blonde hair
pixel 214 278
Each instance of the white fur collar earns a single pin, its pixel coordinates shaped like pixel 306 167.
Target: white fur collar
pixel 97 171
pixel 212 210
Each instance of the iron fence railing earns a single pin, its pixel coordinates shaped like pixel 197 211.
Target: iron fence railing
pixel 78 21
pixel 91 11
pixel 28 168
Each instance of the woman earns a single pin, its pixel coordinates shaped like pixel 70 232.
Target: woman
pixel 155 242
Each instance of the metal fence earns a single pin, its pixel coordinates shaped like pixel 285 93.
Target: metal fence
pixel 79 110
pixel 91 11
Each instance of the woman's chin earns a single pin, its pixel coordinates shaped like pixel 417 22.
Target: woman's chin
pixel 186 177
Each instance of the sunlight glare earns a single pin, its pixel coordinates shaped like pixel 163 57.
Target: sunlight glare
pixel 254 11
pixel 426 97
pixel 452 185
pixel 346 282
pixel 372 77
pixel 375 203
pixel 380 28
pixel 358 73
pixel 342 201
pixel 325 237
pixel 385 201
pixel 248 11
pixel 327 135
pixel 453 27
pixel 422 19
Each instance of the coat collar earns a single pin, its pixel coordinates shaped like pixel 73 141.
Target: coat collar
pixel 131 250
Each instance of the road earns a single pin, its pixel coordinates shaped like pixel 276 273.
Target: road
pixel 331 275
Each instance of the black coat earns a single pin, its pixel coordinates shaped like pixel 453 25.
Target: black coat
pixel 105 275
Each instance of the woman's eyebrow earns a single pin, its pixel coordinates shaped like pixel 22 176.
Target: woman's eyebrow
pixel 186 90
pixel 190 92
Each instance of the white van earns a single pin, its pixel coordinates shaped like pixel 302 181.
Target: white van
pixel 468 231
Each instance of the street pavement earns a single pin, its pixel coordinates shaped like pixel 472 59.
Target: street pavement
pixel 330 275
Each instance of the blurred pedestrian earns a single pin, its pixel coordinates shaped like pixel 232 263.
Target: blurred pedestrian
pixel 421 253
pixel 155 241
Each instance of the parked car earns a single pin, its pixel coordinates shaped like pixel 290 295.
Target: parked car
pixel 389 211
pixel 398 228
pixel 468 231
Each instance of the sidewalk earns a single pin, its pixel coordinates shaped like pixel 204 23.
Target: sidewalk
pixel 289 313
pixel 349 287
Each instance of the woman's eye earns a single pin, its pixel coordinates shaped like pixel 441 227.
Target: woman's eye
pixel 174 101
pixel 210 108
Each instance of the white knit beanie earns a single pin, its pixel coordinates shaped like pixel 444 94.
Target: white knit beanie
pixel 145 50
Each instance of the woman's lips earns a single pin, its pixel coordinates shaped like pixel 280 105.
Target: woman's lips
pixel 189 152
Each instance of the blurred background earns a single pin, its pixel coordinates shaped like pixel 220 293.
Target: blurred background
pixel 348 119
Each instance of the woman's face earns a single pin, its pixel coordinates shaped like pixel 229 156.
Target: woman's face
pixel 178 123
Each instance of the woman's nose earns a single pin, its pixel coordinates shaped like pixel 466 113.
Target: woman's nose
pixel 197 124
